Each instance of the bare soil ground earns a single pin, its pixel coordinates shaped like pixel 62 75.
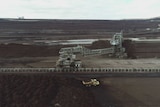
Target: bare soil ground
pixel 50 91
pixel 54 91
pixel 129 92
pixel 46 90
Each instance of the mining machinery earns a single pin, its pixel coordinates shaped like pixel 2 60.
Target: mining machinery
pixel 69 66
pixel 67 58
pixel 92 82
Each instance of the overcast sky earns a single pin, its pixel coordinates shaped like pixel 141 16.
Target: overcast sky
pixel 80 9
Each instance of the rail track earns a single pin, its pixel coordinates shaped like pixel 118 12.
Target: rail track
pixel 87 72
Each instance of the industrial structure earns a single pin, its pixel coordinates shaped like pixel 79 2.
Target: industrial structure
pixel 67 64
pixel 67 58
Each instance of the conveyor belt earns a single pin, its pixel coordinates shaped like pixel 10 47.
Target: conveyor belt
pixel 87 72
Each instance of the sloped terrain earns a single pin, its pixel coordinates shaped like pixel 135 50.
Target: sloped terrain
pixel 37 90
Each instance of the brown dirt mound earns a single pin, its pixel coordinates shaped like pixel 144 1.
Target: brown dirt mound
pixel 19 50
pixel 100 44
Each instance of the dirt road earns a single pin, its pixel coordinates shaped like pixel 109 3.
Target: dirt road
pixel 128 92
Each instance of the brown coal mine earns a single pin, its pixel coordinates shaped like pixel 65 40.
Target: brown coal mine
pixel 37 90
pixel 43 90
pixel 19 50
pixel 132 48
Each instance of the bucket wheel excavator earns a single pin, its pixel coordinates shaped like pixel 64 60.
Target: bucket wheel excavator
pixel 67 58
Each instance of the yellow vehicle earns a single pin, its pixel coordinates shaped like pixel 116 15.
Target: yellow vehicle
pixel 92 82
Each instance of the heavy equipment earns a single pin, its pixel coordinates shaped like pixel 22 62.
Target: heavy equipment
pixel 69 66
pixel 92 82
pixel 67 57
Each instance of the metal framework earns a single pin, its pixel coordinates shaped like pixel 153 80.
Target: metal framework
pixel 67 57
